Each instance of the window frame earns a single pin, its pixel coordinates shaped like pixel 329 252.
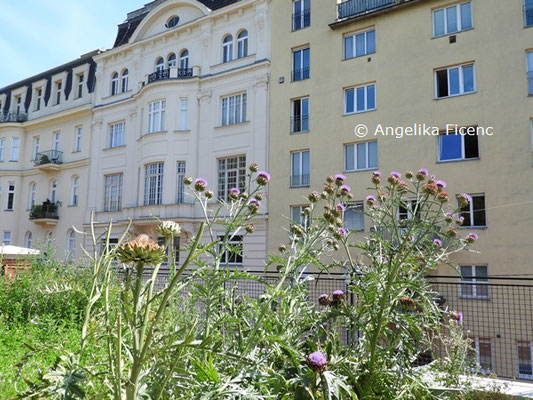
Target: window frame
pixel 225 257
pixel 353 205
pixel 530 345
pixel 156 117
pixel 476 342
pixel 461 82
pixel 32 189
pixel 302 221
pixel 356 153
pixel 473 281
pixel 458 16
pixel 52 190
pixel 71 243
pixel 124 80
pixel 10 196
pixel 242 44
pixel 78 137
pixel 181 170
pixel 303 72
pixel 353 36
pixel 28 240
pixel 58 87
pixel 184 60
pixel 38 98
pixel 15 149
pixel 183 118
pixel 109 194
pixel 302 181
pixel 113 135
pixel 74 191
pixel 227 49
pixel 80 81
pixel 225 173
pixel 240 112
pixel 366 87
pixel 471 212
pixel 35 147
pixel 302 15
pixel 304 119
pixel 7 242
pixel 3 147
pixel 463 148
pixel 158 180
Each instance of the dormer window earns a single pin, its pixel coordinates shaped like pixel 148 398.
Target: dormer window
pixel 38 98
pixel 18 101
pixel 80 85
pixel 172 22
pixel 59 85
pixel 114 84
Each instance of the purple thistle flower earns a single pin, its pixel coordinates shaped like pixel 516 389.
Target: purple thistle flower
pixel 200 184
pixel 263 178
pixel 376 174
pixel 437 242
pixel 370 199
pixel 342 231
pixel 340 178
pixel 317 361
pixel 346 188
pixel 440 184
pixel 324 299
pixel 460 319
pixel 338 296
pixel 341 207
pixel 423 172
pixel 396 174
pixel 471 237
pixel 235 191
pixel 254 202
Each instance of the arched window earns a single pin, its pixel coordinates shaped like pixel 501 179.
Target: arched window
pixel 31 195
pixel 71 243
pixel 242 44
pixel 114 83
pixel 184 60
pixel 227 48
pixel 74 196
pixel 172 22
pixel 159 64
pixel 53 191
pixel 171 60
pixel 28 240
pixel 125 75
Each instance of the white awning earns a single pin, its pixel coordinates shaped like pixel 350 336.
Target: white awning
pixel 8 251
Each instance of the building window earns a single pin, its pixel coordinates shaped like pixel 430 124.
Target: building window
pixel 53 191
pixel 113 192
pixel 15 143
pixel 359 44
pixel 408 209
pixel 234 109
pixel 455 81
pixel 301 64
pixel 361 156
pixel 114 84
pixel 454 147
pixel 71 244
pixel 2 149
pixel 28 240
pixel 227 49
pixel 354 217
pixel 184 60
pixel 125 79
pixel 172 22
pixel 180 184
pixel 74 197
pixel 160 65
pixel 360 99
pixel 483 350
pixel 231 174
pixel 300 115
pixel 57 141
pixel 10 196
pixel 232 255
pixel 38 99
pixel 474 282
pixel 301 14
pixel 18 103
pixel 474 213
pixel 452 19
pixel 171 60
pixel 36 142
pixel 528 13
pixel 80 85
pixel 242 44
pixel 525 356
pixel 31 195
pixel 77 138
pixel 298 217
pixel 156 116
pixel 153 184
pixel 183 122
pixel 59 85
pixel 300 168
pixel 7 238
pixel 530 69
pixel 116 134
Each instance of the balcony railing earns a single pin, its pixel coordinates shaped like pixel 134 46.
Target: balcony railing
pixel 46 210
pixel 300 74
pixel 352 8
pixel 300 124
pixel 13 117
pixel 530 82
pixel 170 73
pixel 301 20
pixel 49 157
pixel 300 180
pixel 528 15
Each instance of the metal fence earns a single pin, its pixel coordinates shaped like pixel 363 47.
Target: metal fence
pixel 497 314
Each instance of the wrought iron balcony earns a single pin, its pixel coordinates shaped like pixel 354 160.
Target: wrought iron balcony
pixel 300 180
pixel 45 213
pixel 170 73
pixel 530 81
pixel 528 15
pixel 54 157
pixel 352 8
pixel 13 117
pixel 300 124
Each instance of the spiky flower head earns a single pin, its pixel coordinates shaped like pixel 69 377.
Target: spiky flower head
pixel 141 249
pixel 262 178
pixel 443 197
pixel 403 186
pixel 376 177
pixel 341 207
pixel 317 361
pixel 282 248
pixel 253 205
pixel 345 189
pixel 430 188
pixel 339 179
pixel 471 237
pixel 340 233
pixel 314 197
pixel 250 228
pixel 464 199
pixel 394 178
pixel 422 174
pixel 209 194
pixel 440 184
pixel 187 180
pixel 324 300
pixel 200 184
pixel 234 193
pixel 370 200
pixel 258 196
pixel 409 174
pixel 169 229
pixel 456 316
pixel 338 296
pixel 253 167
pixel 330 179
pixel 437 242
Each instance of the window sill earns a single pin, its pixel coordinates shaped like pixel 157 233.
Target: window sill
pixel 358 57
pixel 473 227
pixel 115 95
pixel 301 29
pixel 152 134
pixel 458 160
pixel 114 147
pixel 300 187
pixel 72 205
pixel 300 80
pixel 233 60
pixel 182 131
pixel 300 132
pixel 455 95
pixel 76 151
pixel 359 112
pixel 479 298
pixel 230 125
pixel 451 33
pixel 360 170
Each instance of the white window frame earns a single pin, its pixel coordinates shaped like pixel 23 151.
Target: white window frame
pixel 224 258
pixel 79 92
pixel 355 205
pixel 75 188
pixel 116 134
pixel 524 376
pixel 6 239
pixel 71 244
pixel 18 104
pixel 181 168
pixel 236 173
pixel 302 180
pixel 463 149
pixel 124 80
pixel 302 117
pixel 28 240
pixel 234 109
pixel 183 121
pixel 354 90
pixel 113 192
pixel 471 211
pixel 15 149
pixel 458 16
pixel 160 64
pixel 473 282
pixel 301 11
pixel 297 211
pixel 184 59
pixel 461 80
pixel 31 195
pixel 78 138
pixel 2 149
pixel 38 98
pixel 227 49
pixel 36 144
pixel 11 192
pixel 301 72
pixel 172 60
pixel 242 44
pixel 476 341
pixel 156 116
pixel 58 87
pixel 354 35
pixel 153 183
pixel 57 141
pixel 114 83
pixel 52 193
pixel 356 153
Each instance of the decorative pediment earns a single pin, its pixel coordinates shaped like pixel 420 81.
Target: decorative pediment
pixel 168 16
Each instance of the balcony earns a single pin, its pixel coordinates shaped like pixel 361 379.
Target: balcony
pixel 528 15
pixel 170 73
pixel 350 9
pixel 13 117
pixel 46 213
pixel 300 124
pixel 49 160
pixel 530 82
pixel 300 180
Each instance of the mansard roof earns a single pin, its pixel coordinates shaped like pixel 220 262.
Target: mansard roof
pixel 134 18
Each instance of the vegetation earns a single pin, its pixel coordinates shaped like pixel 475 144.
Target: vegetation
pixel 95 336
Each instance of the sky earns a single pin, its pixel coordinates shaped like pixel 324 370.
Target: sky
pixel 37 35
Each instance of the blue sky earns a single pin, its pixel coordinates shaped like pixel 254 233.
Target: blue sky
pixel 36 35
